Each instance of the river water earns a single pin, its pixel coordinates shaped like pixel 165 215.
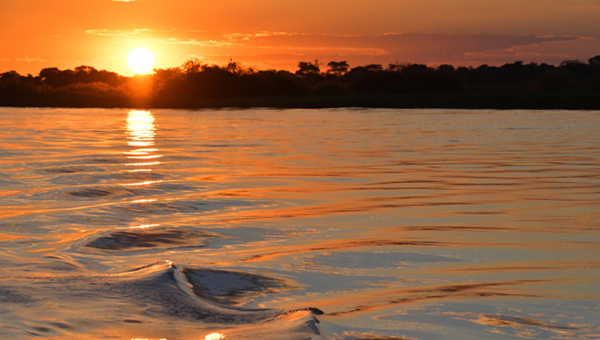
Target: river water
pixel 299 224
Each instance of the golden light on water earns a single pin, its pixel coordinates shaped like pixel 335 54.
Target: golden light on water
pixel 425 213
pixel 141 183
pixel 215 336
pixel 145 226
pixel 141 129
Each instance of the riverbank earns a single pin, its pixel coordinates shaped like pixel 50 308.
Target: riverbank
pixel 502 101
pixel 571 85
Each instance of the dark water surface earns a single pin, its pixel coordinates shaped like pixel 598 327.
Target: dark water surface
pixel 299 224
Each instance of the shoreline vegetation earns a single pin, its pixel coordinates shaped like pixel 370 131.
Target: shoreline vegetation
pixel 571 85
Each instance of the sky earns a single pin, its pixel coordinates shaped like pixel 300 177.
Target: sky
pixel 277 34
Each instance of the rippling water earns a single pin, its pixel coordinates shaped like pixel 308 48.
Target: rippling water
pixel 299 224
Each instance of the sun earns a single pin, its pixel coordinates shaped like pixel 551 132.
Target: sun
pixel 140 60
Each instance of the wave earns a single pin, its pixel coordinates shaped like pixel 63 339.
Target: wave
pixel 197 299
pixel 145 238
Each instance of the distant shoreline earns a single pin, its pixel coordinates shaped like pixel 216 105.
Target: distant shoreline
pixel 499 101
pixel 572 85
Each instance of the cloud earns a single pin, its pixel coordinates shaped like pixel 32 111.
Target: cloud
pixel 381 48
pixel 431 49
pixel 404 46
pixel 122 33
pixel 202 43
pixel 283 50
pixel 29 60
pixel 244 42
pixel 581 48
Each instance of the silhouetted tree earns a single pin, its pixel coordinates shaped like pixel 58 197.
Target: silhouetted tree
pixel 55 77
pixel 445 68
pixel 397 66
pixel 307 68
pixel 237 68
pixel 49 73
pixel 570 62
pixel 10 77
pixel 338 68
pixel 192 66
pixel 374 68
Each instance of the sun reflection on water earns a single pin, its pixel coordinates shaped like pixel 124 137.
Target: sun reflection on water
pixel 141 183
pixel 143 164
pixel 145 226
pixel 215 336
pixel 141 130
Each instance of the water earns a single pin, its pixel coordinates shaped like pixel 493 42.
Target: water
pixel 299 224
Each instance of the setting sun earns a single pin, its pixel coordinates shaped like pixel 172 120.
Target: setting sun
pixel 140 60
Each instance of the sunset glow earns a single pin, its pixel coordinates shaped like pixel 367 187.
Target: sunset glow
pixel 268 169
pixel 277 35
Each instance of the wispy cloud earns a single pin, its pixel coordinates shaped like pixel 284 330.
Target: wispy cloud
pixel 122 33
pixel 424 48
pixel 284 49
pixel 552 51
pixel 200 43
pixel 29 60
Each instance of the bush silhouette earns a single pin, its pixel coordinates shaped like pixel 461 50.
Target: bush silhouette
pixel 572 84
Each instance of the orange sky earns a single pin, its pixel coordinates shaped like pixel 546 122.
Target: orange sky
pixel 276 34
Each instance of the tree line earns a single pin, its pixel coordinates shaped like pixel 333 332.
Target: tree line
pixel 572 84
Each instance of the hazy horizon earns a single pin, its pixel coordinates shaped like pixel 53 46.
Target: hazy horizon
pixel 295 68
